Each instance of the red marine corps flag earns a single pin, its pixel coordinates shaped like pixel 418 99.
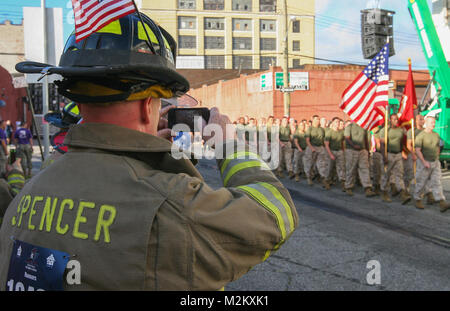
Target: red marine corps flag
pixel 409 101
pixel 365 100
pixel 92 15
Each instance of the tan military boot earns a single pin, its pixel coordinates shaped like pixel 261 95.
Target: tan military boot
pixel 369 193
pixel 310 182
pixel 350 192
pixel 343 186
pixel 291 175
pixel 385 197
pixel 377 189
pixel 405 197
pixel 297 177
pixel 280 174
pixel 326 184
pixel 444 205
pixel 430 199
pixel 419 204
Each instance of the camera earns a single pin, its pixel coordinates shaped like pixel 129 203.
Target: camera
pixel 187 116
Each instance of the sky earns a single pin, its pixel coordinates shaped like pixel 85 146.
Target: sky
pixel 338 28
pixel 338 32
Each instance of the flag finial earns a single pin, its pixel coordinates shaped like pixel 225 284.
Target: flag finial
pixel 409 61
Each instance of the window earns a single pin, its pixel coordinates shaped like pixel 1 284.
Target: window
pixel 187 42
pixel 186 4
pixel 214 23
pixel 268 25
pixel 215 62
pixel 296 45
pixel 214 42
pixel 242 5
pixel 213 4
pixel 296 63
pixel 187 22
pixel 296 26
pixel 242 43
pixel 268 44
pixel 267 61
pixel 242 62
pixel 267 5
pixel 242 24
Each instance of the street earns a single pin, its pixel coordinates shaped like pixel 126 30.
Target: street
pixel 338 235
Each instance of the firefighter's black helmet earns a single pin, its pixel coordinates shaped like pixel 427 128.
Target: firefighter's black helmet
pixel 117 63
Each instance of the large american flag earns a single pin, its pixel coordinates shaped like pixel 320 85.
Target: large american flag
pixel 92 15
pixel 365 100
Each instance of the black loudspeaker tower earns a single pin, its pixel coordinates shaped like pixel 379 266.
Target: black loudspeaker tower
pixel 376 27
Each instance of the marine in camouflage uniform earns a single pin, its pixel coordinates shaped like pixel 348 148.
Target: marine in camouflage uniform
pixel 334 145
pixel 299 151
pixel 408 163
pixel 286 151
pixel 357 159
pixel 315 152
pixel 394 160
pixel 428 174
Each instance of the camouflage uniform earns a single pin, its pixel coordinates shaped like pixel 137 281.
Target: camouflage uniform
pixel 395 159
pixel 335 138
pixel 408 164
pixel 428 178
pixel 286 151
pixel 356 160
pixel 298 155
pixel 318 158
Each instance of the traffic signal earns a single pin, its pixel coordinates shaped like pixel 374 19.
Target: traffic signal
pixel 376 27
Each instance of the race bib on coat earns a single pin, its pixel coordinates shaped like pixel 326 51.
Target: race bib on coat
pixel 35 268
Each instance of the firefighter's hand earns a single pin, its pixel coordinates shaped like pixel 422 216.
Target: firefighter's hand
pixel 163 125
pixel 219 124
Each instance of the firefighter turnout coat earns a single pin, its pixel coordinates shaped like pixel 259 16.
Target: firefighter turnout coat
pixel 134 218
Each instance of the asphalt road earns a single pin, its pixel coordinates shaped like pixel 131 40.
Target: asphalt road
pixel 338 235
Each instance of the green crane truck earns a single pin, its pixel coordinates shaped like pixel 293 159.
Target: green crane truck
pixel 439 72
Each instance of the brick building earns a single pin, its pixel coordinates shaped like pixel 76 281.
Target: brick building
pixel 244 95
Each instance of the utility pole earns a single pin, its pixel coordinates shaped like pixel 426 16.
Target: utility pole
pixel 45 126
pixel 286 95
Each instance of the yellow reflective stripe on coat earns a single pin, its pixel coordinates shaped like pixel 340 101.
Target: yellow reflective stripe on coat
pixel 277 194
pixel 241 166
pixel 268 200
pixel 16 178
pixel 238 156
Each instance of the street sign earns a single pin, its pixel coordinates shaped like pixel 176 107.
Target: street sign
pixel 298 81
pixel 287 90
pixel 266 82
pixel 279 80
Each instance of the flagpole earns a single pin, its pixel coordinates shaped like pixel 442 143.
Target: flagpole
pixel 150 45
pixel 413 131
pixel 386 125
pixel 386 137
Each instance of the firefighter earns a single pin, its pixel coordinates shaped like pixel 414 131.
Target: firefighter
pixel 70 115
pixel 125 210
